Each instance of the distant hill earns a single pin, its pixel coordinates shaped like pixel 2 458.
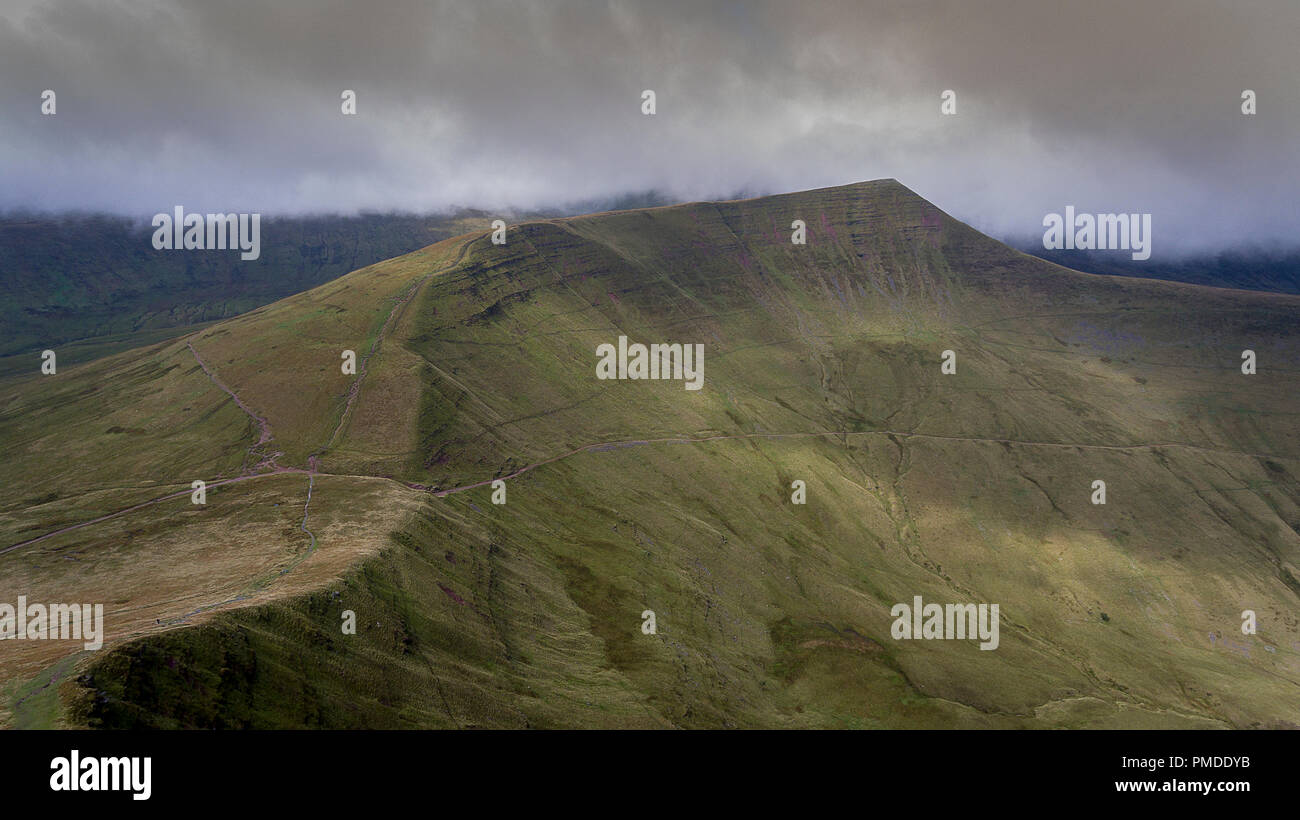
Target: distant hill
pixel 82 277
pixel 1272 270
pixel 369 494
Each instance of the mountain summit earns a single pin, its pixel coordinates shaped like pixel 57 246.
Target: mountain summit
pixel 899 409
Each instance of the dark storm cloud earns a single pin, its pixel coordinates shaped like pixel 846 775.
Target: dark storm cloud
pixel 1105 105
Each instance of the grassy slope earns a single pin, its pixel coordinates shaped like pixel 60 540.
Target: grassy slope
pixel 85 277
pixel 101 437
pixel 971 487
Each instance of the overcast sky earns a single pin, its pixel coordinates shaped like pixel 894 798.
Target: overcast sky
pixel 1107 105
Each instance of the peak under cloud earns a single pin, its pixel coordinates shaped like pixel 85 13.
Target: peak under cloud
pixel 1108 106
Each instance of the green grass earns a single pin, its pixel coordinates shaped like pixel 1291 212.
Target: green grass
pixel 73 283
pixel 966 488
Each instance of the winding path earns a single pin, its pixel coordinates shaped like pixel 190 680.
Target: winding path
pixel 355 390
pixel 265 426
pixel 613 445
pixel 261 421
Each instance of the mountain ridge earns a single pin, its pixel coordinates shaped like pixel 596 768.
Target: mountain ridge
pixel 955 487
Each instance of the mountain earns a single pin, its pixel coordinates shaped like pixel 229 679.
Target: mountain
pixel 330 493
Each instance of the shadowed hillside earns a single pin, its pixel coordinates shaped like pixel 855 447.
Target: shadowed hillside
pixel 1256 269
pixel 371 493
pixel 98 279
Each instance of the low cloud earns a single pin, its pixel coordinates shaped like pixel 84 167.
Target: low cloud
pixel 1108 106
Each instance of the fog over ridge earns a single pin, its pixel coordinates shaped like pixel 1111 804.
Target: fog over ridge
pixel 1108 106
